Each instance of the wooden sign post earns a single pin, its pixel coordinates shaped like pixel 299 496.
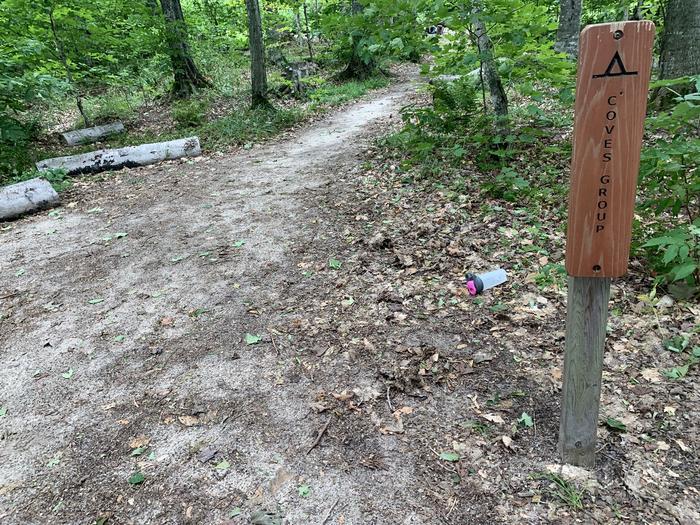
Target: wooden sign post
pixel 611 99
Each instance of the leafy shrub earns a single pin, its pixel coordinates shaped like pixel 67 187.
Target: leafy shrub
pixel 379 30
pixel 456 97
pixel 677 252
pixel 14 138
pixel 18 90
pixel 670 190
pixel 57 177
pixel 507 185
pixel 434 135
pixel 551 274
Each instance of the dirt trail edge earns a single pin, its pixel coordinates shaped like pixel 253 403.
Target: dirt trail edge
pixel 142 378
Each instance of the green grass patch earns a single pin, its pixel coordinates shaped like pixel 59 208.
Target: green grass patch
pixel 336 94
pixel 565 491
pixel 249 125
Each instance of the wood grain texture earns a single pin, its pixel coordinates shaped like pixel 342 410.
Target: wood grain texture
pixel 611 99
pixel 586 320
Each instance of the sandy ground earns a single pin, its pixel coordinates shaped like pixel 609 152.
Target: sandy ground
pixel 281 336
pixel 124 316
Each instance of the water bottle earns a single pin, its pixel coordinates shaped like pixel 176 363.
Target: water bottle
pixel 476 284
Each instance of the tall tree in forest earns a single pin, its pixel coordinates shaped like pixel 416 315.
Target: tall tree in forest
pixel 308 34
pixel 569 27
pixel 680 48
pixel 488 67
pixel 61 53
pixel 257 55
pixel 186 75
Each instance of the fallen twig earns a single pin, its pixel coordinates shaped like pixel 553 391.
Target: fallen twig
pixel 329 511
pixel 320 435
pixel 453 504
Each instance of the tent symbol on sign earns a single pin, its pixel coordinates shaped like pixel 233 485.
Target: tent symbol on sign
pixel 616 61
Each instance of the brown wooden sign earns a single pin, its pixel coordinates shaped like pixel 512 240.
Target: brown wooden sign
pixel 611 99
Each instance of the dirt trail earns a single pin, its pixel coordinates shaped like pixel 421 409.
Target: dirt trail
pixel 124 316
pixel 181 326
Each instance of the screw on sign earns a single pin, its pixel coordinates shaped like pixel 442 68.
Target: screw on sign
pixel 611 98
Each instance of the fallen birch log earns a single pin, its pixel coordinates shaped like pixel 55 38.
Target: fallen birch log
pixel 23 197
pixel 129 157
pixel 474 74
pixel 445 78
pixel 448 79
pixel 87 135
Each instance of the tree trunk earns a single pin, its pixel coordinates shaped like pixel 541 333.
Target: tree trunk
pixel 489 69
pixel 637 13
pixel 308 34
pixel 152 6
pixel 60 49
pixel 680 51
pixel 211 12
pixel 257 55
pixel 357 68
pixel 297 27
pixel 187 77
pixel 569 27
